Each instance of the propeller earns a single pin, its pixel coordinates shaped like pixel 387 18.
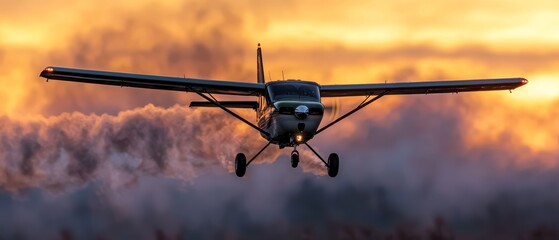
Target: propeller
pixel 333 107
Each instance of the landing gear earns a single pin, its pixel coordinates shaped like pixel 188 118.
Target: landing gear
pixel 294 158
pixel 240 164
pixel 333 164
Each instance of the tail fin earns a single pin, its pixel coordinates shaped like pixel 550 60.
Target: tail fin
pixel 259 66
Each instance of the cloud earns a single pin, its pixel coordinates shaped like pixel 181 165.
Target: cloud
pixel 210 49
pixel 469 165
pixel 217 42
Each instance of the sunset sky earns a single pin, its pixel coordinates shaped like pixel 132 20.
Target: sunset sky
pixel 478 143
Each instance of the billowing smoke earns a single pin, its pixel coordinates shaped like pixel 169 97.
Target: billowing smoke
pixel 158 173
pixel 72 149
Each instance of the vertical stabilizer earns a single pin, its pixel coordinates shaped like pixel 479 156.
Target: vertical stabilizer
pixel 259 66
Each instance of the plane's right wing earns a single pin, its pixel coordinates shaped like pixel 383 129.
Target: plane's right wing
pixel 453 86
pixel 153 81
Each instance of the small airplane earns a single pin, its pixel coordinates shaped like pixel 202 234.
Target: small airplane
pixel 288 112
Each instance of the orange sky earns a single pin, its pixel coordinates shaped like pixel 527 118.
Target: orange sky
pixel 354 42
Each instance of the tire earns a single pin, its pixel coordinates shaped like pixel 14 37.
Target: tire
pixel 294 159
pixel 333 164
pixel 240 164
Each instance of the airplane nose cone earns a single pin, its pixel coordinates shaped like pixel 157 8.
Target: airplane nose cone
pixel 301 112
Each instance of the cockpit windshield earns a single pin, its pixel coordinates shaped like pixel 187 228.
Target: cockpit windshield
pixel 294 91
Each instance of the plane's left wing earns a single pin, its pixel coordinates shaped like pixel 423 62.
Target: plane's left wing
pixel 153 81
pixel 453 86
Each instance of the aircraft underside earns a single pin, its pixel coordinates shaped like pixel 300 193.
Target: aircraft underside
pixel 284 129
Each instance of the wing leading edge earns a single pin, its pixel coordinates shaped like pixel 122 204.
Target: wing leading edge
pixel 453 86
pixel 153 81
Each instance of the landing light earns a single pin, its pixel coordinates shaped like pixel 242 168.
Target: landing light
pixel 299 137
pixel 49 69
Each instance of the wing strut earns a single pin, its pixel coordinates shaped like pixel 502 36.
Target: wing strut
pixel 318 155
pixel 214 101
pixel 259 152
pixel 359 107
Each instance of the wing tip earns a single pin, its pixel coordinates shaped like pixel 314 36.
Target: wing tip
pixel 48 70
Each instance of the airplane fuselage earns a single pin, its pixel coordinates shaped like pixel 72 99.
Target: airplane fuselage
pixel 290 111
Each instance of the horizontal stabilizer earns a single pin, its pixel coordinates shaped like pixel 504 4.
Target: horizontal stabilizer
pixel 227 104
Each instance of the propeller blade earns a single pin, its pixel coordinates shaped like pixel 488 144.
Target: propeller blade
pixel 334 108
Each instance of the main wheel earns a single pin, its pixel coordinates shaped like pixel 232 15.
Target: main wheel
pixel 240 164
pixel 333 164
pixel 294 158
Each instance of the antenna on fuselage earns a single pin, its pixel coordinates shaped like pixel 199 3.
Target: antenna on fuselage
pixel 269 76
pixel 282 76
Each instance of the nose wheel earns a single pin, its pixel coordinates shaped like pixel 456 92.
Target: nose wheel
pixel 294 158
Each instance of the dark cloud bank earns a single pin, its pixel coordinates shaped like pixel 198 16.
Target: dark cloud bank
pixel 155 173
